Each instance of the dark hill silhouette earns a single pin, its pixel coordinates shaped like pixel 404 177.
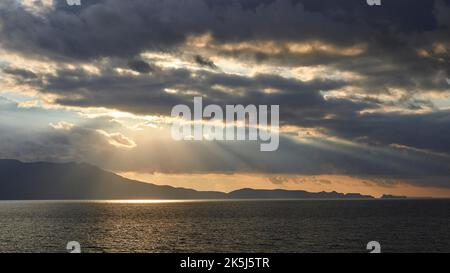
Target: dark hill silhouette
pixel 289 194
pixel 78 181
pixel 72 181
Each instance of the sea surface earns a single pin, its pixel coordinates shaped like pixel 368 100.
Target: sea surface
pixel 226 226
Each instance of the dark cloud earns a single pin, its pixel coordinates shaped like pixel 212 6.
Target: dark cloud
pixel 23 73
pixel 427 131
pixel 140 66
pixel 204 62
pixel 301 102
pixel 146 94
pixel 441 11
pixel 114 27
pixel 126 28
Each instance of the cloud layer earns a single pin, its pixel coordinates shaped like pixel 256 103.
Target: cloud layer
pixel 362 90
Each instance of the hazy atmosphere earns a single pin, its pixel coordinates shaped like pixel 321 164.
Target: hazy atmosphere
pixel 364 92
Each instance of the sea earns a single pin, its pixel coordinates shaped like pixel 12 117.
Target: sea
pixel 249 226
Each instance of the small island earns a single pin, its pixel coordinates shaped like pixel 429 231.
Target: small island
pixel 389 196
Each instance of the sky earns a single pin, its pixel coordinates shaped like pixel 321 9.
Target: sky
pixel 364 91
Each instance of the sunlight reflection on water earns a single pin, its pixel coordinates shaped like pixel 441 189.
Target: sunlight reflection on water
pixel 225 226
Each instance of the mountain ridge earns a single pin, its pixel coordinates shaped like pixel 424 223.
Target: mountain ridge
pixel 82 181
